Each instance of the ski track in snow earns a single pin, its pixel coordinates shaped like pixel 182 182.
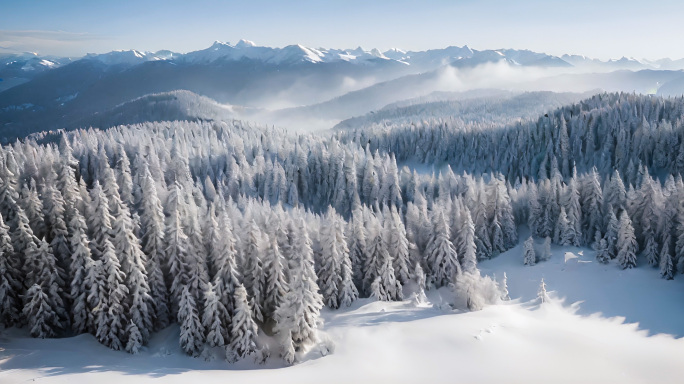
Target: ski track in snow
pixel 603 325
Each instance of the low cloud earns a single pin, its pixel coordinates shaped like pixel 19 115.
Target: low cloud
pixel 59 43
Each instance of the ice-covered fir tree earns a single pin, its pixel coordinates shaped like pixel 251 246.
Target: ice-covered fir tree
pixel 191 329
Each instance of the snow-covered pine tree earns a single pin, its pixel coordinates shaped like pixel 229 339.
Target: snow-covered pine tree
pixel 418 277
pixel 592 205
pixel 546 249
pixel 253 275
pixel 42 269
pixel 40 312
pixel 94 281
pixel 10 280
pixel 243 333
pixel 573 211
pixel 482 229
pixel 191 329
pixel 198 274
pixel 111 319
pixel 58 234
pixel 335 274
pixel 504 288
pixel 397 244
pixel 626 243
pixel 441 257
pixel 602 255
pixel 81 260
pixel 138 302
pixel 666 263
pixel 176 249
pixel 564 233
pixel 615 193
pixel 297 316
pixel 503 213
pixel 33 207
pixel 651 250
pixel 275 286
pixel 358 248
pixel 99 220
pixel 124 180
pixel 224 257
pixel 134 338
pixel 154 247
pixel 529 256
pixel 613 227
pixel 386 287
pixel 466 242
pixel 542 295
pixel 215 318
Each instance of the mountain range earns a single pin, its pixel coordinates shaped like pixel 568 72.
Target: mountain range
pixel 293 85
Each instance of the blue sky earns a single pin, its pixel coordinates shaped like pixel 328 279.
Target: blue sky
pixel 597 28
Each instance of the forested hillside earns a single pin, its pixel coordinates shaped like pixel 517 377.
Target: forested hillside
pixel 242 233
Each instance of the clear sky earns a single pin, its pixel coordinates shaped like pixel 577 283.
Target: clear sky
pixel 597 28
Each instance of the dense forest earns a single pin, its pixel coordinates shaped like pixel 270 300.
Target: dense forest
pixel 240 233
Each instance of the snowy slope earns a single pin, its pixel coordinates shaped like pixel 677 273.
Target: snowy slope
pixel 596 339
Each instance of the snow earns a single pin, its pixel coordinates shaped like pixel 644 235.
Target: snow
pixel 603 324
pixel 130 57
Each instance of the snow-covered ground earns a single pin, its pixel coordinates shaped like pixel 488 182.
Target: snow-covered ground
pixel 587 334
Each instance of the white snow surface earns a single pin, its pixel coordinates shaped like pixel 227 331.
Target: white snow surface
pixel 603 325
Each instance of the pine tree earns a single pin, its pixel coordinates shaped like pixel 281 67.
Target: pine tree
pixel 466 242
pixel 253 270
pixel 224 257
pixel 10 280
pixel 33 207
pixel 243 330
pixel 546 250
pixel 482 229
pixel 39 311
pixel 397 244
pixel 592 205
pixel 42 269
pixel 297 315
pixel 615 193
pixel 441 256
pixel 135 339
pixel 138 302
pixel 94 280
pixel 81 260
pixel 666 264
pixel 504 288
pixel 215 318
pixel 111 311
pixel 564 233
pixel 529 256
pixel 358 248
pixel 626 243
pixel 57 228
pixel 191 329
pixel 99 220
pixel 275 287
pixel 153 245
pixel 376 247
pixel 542 295
pixel 177 256
pixel 651 251
pixel 602 254
pixel 418 277
pixel 571 205
pixel 612 233
pixel 335 274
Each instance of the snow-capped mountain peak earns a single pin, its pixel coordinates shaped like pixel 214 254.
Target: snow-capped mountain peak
pixel 245 43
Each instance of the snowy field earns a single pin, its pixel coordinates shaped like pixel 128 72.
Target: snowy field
pixel 603 325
